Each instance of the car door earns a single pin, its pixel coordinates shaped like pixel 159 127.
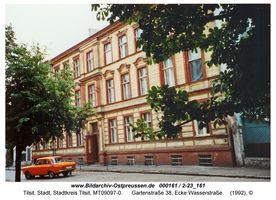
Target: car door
pixel 47 165
pixel 37 169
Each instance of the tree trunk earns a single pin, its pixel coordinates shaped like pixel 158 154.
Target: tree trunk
pixel 18 163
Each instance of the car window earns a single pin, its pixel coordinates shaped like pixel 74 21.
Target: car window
pixel 39 162
pixel 56 160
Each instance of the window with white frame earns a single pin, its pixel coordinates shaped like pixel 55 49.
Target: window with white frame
pixel 57 72
pixel 110 91
pixel 143 80
pixel 77 98
pixel 129 134
pixel 69 140
pixel 90 61
pixel 76 67
pixel 138 33
pixel 195 65
pixel 123 46
pixel 80 139
pixel 126 86
pixel 113 130
pixel 168 72
pixel 203 131
pixel 147 118
pixel 92 95
pixel 107 53
pixel 60 143
pixel 53 144
pixel 65 64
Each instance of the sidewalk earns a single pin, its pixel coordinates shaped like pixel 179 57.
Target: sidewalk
pixel 233 172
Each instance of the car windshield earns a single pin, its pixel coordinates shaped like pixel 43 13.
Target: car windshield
pixel 56 160
pixel 42 162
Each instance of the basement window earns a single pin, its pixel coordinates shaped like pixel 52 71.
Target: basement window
pixel 205 160
pixel 114 160
pixel 149 160
pixel 176 160
pixel 130 160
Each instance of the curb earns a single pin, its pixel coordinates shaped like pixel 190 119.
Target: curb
pixel 176 173
pixel 168 172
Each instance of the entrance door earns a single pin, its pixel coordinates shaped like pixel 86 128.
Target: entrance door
pixel 92 144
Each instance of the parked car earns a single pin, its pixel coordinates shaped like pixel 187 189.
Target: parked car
pixel 51 166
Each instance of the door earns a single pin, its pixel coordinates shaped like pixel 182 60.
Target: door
pixel 92 144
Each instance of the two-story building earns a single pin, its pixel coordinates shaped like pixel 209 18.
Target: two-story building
pixel 113 74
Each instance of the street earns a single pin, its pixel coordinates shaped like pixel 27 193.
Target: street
pixel 83 176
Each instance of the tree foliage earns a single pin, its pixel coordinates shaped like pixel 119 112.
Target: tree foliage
pixel 242 43
pixel 38 104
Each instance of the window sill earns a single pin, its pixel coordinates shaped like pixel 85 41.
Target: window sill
pixel 203 135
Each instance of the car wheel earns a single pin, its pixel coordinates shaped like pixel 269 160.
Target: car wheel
pixel 65 174
pixel 28 175
pixel 51 174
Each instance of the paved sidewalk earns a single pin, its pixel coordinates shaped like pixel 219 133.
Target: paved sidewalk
pixel 236 172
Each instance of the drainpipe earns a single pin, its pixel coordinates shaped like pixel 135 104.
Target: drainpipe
pixel 105 162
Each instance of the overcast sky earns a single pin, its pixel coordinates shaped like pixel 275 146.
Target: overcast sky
pixel 54 27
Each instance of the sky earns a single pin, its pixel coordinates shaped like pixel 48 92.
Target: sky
pixel 54 27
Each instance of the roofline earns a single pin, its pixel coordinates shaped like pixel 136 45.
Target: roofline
pixel 95 35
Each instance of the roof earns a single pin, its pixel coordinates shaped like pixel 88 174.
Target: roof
pixel 49 157
pixel 90 38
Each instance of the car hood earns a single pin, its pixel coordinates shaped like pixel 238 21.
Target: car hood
pixel 27 167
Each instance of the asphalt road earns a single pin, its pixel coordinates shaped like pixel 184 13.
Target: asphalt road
pixel 78 176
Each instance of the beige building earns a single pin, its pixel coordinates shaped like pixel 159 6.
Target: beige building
pixel 114 75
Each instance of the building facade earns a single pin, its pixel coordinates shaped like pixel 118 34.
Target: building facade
pixel 113 74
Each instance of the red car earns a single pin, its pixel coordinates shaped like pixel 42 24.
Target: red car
pixel 51 166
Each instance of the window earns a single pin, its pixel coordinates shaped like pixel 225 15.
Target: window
pixel 143 80
pixel 123 46
pixel 90 61
pixel 107 53
pixel 205 160
pixel 113 130
pixel 149 160
pixel 176 160
pixel 126 86
pixel 60 143
pixel 128 130
pixel 195 65
pixel 114 160
pixel 77 99
pixel 65 64
pixel 138 33
pixel 53 144
pixel 92 95
pixel 198 131
pixel 168 72
pixel 147 118
pixel 110 91
pixel 76 68
pixel 69 140
pixel 79 139
pixel 57 72
pixel 130 160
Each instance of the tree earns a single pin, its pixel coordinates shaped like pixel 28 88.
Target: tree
pixel 242 43
pixel 38 104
